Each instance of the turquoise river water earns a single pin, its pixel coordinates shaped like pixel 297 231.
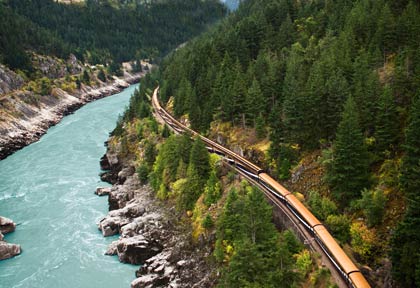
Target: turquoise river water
pixel 47 189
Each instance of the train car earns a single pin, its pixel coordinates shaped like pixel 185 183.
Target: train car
pixel 303 212
pixel 264 177
pixel 358 280
pixel 340 259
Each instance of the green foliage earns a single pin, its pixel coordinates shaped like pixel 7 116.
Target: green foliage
pixel 207 222
pixel 387 123
pixel 178 159
pixel 292 243
pixel 118 130
pixel 166 132
pixel 349 170
pixel 192 190
pixel 286 157
pixel 259 257
pixel 149 153
pixel 321 206
pixel 362 240
pixel 115 69
pixel 406 238
pixel 303 263
pixel 143 173
pixel 339 225
pixel 167 161
pixel 200 159
pixel 260 127
pixel 86 77
pixel 373 205
pixel 213 189
pixel 34 25
pixel 101 75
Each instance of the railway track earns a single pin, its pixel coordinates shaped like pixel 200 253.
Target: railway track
pixel 346 273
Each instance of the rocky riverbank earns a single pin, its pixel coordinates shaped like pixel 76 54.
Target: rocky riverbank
pixel 7 250
pixel 151 233
pixel 23 121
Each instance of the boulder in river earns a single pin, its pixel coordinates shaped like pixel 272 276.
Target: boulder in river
pixel 8 250
pixel 6 225
pixel 134 250
pixel 116 219
pixel 103 191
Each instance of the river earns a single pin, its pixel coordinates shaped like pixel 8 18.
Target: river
pixel 47 189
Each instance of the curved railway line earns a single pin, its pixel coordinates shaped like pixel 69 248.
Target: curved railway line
pixel 305 223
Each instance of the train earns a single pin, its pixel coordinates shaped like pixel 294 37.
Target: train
pixel 342 263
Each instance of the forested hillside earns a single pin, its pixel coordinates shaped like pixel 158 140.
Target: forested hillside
pixel 99 31
pixel 331 78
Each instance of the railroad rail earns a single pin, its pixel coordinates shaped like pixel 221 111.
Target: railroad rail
pixel 310 227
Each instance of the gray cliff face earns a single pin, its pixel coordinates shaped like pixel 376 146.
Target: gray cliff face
pixel 55 68
pixel 7 250
pixel 9 80
pixel 150 233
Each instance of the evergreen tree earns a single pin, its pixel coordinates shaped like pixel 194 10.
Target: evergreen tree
pixel 86 77
pixel 165 131
pixel 260 127
pixel 213 189
pixel 200 159
pixel 192 189
pixel 254 102
pixel 366 87
pixel 387 122
pixel 293 111
pixel 349 171
pixel 238 94
pixel 259 260
pixel 406 239
pixel 101 75
pixel 182 98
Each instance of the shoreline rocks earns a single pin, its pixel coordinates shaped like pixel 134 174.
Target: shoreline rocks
pixel 151 234
pixel 30 121
pixel 7 250
pixel 6 225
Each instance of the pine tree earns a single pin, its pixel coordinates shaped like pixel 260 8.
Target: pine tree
pixel 200 159
pixel 101 75
pixel 366 87
pixel 349 172
pixel 86 77
pixel 183 97
pixel 254 102
pixel 259 260
pixel 192 189
pixel 223 87
pixel 212 191
pixel 238 94
pixel 387 122
pixel 165 131
pixel 406 239
pixel 293 111
pixel 260 127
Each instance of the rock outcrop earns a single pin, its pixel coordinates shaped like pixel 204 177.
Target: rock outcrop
pixel 6 225
pixel 7 250
pixel 150 234
pixel 9 80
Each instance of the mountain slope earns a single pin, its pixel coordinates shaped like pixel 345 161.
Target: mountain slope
pixel 285 69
